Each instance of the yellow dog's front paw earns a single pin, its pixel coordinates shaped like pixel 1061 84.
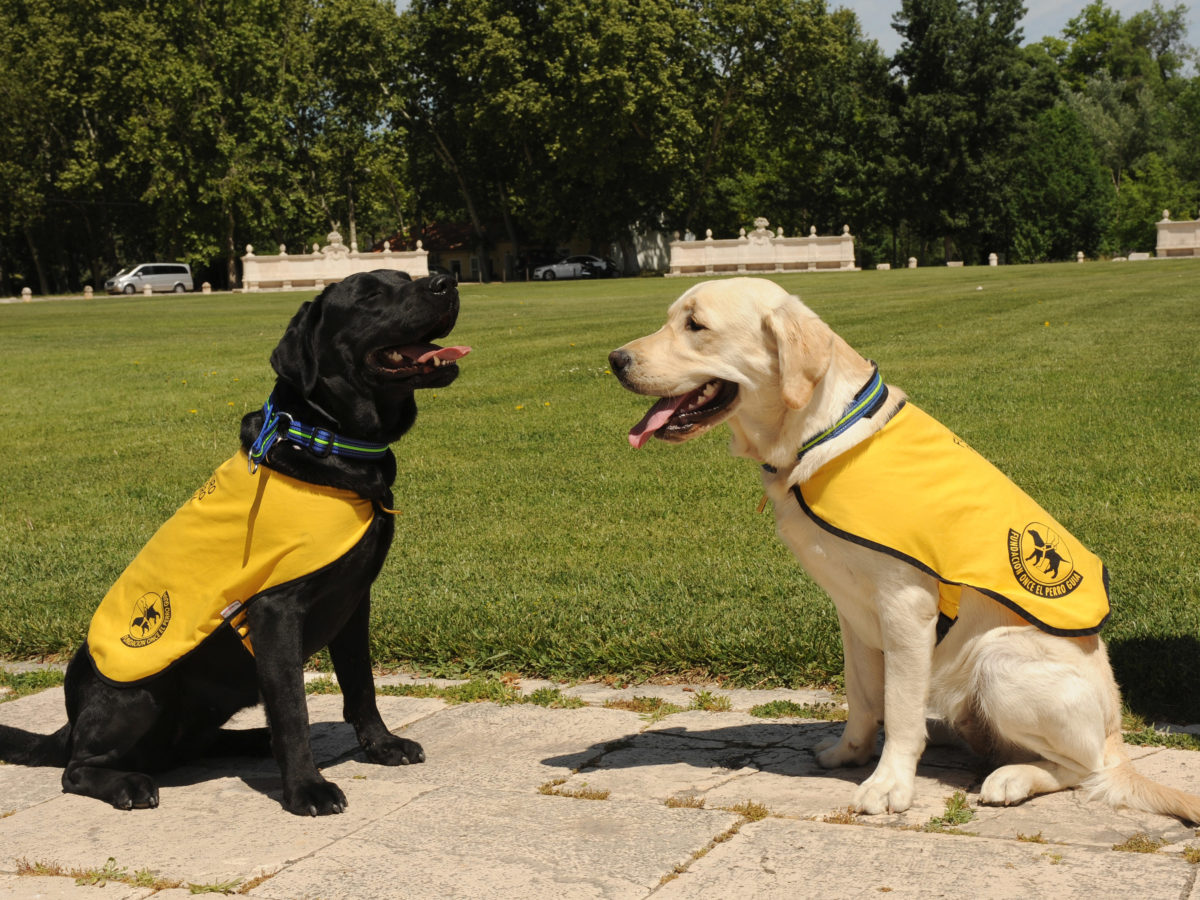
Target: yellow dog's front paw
pixel 883 792
pixel 834 753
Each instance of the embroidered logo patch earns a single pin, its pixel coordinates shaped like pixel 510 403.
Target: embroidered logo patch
pixel 1041 561
pixel 151 615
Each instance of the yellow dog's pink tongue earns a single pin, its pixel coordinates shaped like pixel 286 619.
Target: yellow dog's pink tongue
pixel 655 419
pixel 429 352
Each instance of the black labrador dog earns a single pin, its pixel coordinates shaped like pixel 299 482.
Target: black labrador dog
pixel 347 368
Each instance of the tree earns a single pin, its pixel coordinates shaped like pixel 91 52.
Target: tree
pixel 473 100
pixel 38 107
pixel 354 163
pixel 621 122
pixel 1146 48
pixel 1185 152
pixel 962 99
pixel 186 130
pixel 832 157
pixel 1063 195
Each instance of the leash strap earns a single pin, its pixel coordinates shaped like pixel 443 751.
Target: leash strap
pixel 865 404
pixel 321 442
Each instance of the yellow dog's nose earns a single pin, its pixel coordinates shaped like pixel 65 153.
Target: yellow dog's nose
pixel 619 361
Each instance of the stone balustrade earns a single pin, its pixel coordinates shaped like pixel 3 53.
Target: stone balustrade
pixel 1180 238
pixel 325 265
pixel 763 250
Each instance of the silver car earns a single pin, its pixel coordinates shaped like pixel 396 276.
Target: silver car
pixel 577 267
pixel 162 277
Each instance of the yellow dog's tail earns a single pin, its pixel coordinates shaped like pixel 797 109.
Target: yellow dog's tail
pixel 1119 784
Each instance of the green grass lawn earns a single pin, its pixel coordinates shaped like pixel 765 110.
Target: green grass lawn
pixel 534 539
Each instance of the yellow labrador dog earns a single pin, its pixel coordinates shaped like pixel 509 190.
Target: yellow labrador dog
pixel 908 530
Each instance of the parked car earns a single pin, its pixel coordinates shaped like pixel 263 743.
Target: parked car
pixel 162 277
pixel 577 267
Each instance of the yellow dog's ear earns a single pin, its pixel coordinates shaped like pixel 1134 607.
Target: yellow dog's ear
pixel 805 347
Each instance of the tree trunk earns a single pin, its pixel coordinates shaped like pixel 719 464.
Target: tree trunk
pixel 95 253
pixel 230 253
pixel 37 262
pixel 629 258
pixel 443 153
pixel 509 228
pixel 714 143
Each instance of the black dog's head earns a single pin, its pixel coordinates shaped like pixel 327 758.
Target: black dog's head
pixel 356 352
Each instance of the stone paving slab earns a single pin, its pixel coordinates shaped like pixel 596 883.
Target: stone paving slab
pixel 24 887
pixel 777 858
pixel 471 842
pixel 520 801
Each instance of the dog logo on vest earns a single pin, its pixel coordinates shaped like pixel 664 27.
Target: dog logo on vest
pixel 1041 561
pixel 151 615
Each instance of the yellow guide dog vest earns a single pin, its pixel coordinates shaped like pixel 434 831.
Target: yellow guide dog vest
pixel 917 492
pixel 237 536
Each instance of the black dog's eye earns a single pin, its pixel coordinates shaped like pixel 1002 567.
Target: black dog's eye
pixel 693 325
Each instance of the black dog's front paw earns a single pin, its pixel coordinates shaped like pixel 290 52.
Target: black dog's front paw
pixel 394 751
pixel 135 791
pixel 314 798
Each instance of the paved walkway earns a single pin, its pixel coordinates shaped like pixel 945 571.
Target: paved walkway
pixel 523 801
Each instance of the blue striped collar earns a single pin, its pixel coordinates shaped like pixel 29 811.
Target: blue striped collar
pixel 865 404
pixel 320 442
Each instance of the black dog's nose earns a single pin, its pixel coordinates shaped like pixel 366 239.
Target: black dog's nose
pixel 619 361
pixel 439 283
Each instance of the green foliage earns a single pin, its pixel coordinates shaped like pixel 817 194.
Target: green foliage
pixel 1139 732
pixel 709 702
pixel 21 684
pixel 192 130
pixel 958 812
pixel 1141 843
pixel 1062 194
pixel 962 103
pixel 779 709
pixel 653 709
pixel 480 690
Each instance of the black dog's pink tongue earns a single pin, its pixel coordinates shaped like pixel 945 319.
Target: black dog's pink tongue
pixel 658 416
pixel 424 353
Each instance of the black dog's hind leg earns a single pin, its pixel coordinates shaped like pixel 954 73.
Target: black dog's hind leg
pixel 110 733
pixel 280 658
pixel 351 655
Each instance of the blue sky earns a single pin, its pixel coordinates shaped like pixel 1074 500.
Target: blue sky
pixel 1045 17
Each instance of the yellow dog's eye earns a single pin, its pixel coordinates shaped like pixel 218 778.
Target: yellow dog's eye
pixel 693 325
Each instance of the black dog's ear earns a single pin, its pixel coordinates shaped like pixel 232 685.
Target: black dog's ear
pixel 294 358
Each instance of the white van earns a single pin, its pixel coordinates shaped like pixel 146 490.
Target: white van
pixel 161 277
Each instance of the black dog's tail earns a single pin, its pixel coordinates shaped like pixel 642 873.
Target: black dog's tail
pixel 28 749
